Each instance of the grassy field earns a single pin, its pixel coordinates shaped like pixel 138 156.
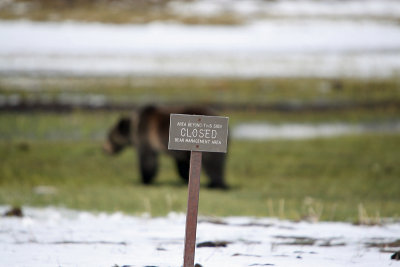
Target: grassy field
pixel 56 158
pixel 142 11
pixel 352 178
pixel 204 90
pixel 130 11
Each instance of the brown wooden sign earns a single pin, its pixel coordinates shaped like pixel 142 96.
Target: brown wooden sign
pixel 196 133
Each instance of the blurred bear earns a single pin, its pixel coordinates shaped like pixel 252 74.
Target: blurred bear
pixel 148 130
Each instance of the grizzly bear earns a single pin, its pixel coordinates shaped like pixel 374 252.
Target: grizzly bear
pixel 148 130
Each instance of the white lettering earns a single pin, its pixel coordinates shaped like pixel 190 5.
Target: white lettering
pixel 207 134
pixel 200 133
pixel 214 134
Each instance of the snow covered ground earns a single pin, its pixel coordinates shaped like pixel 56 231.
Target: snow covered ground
pixel 268 131
pixel 364 43
pixel 60 237
pixel 254 9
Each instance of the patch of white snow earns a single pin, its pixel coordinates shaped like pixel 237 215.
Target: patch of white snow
pixel 60 237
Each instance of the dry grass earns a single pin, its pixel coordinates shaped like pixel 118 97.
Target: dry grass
pixel 122 11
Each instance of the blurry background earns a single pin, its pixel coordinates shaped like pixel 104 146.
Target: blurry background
pixel 312 89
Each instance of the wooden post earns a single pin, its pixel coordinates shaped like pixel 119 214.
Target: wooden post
pixel 192 208
pixel 196 133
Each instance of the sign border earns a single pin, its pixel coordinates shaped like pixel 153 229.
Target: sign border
pixel 199 149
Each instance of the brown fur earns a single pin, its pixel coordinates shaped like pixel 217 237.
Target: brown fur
pixel 148 131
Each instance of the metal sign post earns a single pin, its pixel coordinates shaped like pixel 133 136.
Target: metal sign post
pixel 196 133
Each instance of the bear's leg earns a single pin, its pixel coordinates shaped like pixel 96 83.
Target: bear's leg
pixel 183 169
pixel 148 160
pixel 214 166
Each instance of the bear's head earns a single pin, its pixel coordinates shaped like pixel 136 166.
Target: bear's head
pixel 119 137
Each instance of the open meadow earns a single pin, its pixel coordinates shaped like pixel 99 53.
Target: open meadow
pixel 293 199
pixel 55 158
pixel 312 92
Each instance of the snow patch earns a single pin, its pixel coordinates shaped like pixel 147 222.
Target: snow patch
pixel 310 47
pixel 288 8
pixel 62 237
pixel 267 131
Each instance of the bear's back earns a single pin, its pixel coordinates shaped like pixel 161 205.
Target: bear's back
pixel 153 125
